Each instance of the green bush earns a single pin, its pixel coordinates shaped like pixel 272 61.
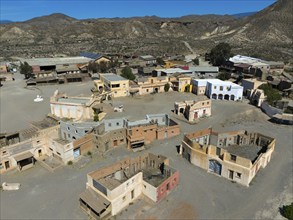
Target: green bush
pixel 127 73
pixel 166 87
pixel 187 88
pixel 287 211
pixel 89 153
pixel 272 94
pixel 96 117
pixel 69 162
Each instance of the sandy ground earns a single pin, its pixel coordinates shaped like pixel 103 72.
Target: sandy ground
pixel 199 195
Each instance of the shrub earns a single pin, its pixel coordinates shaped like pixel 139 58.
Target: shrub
pixel 127 73
pixel 166 87
pixel 287 211
pixel 272 94
pixel 187 88
pixel 89 153
pixel 96 117
pixel 69 162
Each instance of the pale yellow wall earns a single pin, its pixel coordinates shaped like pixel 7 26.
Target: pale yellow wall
pixel 102 59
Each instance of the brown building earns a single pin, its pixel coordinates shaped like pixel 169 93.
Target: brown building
pixel 154 127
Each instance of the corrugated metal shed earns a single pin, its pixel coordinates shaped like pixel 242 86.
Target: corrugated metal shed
pixel 93 56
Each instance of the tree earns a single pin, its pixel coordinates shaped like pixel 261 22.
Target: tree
pixel 26 70
pixel 160 61
pixel 224 76
pixel 195 61
pixel 127 73
pixel 272 94
pixel 287 211
pixel 93 67
pixel 166 87
pixel 103 66
pixel 220 53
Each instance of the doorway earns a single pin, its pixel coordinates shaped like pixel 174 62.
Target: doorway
pixel 132 194
pixel 7 165
pixel 231 174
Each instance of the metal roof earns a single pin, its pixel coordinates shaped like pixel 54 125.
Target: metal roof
pixel 147 57
pixel 93 56
pixel 204 69
pixel 56 61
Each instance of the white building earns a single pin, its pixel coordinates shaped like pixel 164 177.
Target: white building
pixel 217 89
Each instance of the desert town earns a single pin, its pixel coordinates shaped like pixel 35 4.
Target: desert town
pixel 132 133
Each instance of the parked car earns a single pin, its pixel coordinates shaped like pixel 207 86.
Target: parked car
pixel 119 108
pixel 10 186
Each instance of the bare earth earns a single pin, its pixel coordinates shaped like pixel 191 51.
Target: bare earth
pixel 199 195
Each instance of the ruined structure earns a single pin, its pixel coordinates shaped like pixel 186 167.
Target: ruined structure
pixel 111 189
pixel 236 155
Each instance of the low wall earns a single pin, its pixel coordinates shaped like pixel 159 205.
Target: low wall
pixel 276 114
pixel 270 110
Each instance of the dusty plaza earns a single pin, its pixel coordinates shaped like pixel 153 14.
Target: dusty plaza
pixel 199 195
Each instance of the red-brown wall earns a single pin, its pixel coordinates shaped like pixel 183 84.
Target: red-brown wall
pixel 162 189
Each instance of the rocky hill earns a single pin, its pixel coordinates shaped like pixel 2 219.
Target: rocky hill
pixel 267 33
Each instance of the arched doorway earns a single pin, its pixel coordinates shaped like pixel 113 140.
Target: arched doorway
pixel 220 96
pixel 227 97
pixel 232 97
pixel 214 96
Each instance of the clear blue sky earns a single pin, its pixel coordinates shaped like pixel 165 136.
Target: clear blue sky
pixel 20 10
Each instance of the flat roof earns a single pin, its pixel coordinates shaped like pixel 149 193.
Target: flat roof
pixel 94 200
pixel 204 69
pixel 23 156
pixel 112 77
pixel 203 82
pixel 74 100
pixel 57 61
pixel 147 57
pixel 250 152
pixel 173 70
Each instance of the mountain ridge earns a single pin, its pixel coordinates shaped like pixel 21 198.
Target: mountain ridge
pixel 261 33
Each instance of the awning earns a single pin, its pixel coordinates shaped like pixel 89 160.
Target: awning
pixel 23 156
pixel 94 200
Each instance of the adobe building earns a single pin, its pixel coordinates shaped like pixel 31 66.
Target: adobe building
pixel 78 108
pixel 148 85
pixel 193 110
pixel 181 83
pixel 236 155
pixel 118 85
pixel 111 189
pixel 154 127
pixel 109 134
